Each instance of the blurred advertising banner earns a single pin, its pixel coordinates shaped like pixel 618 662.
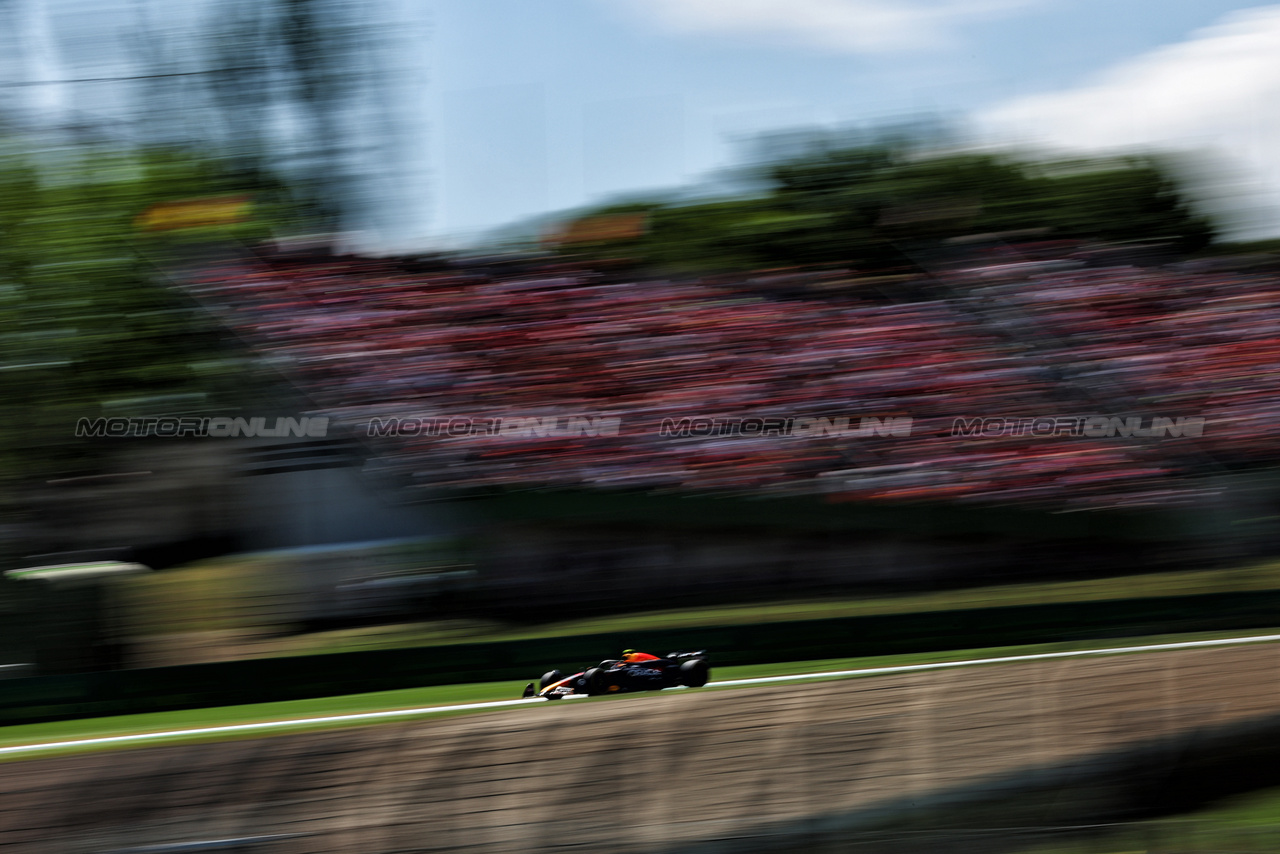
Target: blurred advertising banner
pixel 595 229
pixel 195 213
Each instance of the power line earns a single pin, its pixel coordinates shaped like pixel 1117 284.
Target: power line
pixel 16 84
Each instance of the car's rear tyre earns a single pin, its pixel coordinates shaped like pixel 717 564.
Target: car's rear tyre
pixel 695 672
pixel 551 677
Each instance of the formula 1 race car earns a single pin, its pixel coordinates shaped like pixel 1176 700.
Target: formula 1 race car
pixel 688 669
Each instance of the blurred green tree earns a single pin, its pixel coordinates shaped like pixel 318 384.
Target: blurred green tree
pixel 865 204
pixel 1128 199
pixel 89 322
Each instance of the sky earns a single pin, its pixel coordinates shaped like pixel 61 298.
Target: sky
pixel 546 106
pixel 510 110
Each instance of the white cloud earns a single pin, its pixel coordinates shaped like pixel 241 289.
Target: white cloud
pixel 1218 91
pixel 857 26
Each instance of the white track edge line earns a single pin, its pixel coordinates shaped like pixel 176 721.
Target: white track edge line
pixel 261 725
pixel 497 704
pixel 973 662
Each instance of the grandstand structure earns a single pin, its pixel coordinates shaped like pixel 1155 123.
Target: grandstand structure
pixel 423 366
pixel 410 364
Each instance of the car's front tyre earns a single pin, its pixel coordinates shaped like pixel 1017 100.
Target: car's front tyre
pixel 593 681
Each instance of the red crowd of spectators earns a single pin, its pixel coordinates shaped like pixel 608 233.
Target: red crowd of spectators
pixel 1170 342
pixel 370 341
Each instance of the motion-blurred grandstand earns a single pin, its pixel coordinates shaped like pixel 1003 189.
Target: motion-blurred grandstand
pixel 374 340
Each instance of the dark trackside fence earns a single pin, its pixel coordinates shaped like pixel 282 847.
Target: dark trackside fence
pixel 114 692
